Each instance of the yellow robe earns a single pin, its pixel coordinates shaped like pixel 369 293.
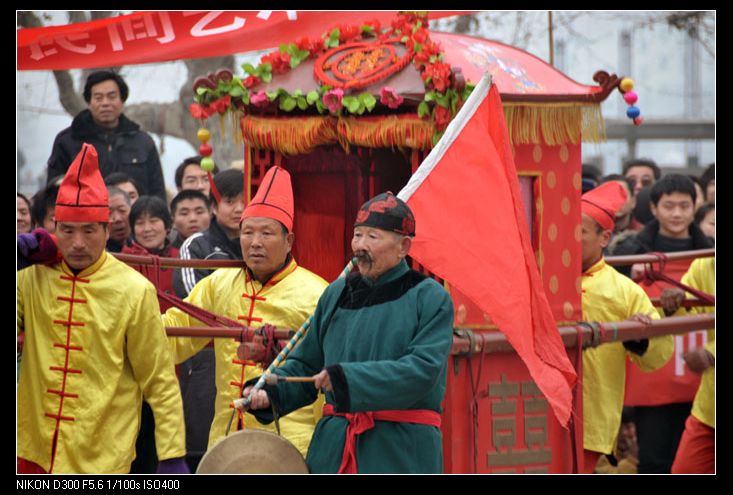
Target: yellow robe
pixel 701 276
pixel 94 345
pixel 285 301
pixel 609 296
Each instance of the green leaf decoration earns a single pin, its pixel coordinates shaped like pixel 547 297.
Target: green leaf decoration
pixel 443 100
pixel 423 109
pixel 302 104
pixel 320 106
pixel 297 92
pixel 351 103
pixel 245 98
pixel 436 138
pixel 249 69
pixel 266 67
pixel 312 97
pixel 201 90
pixel 367 30
pixel 418 47
pixel 266 77
pixel 236 91
pixel 404 39
pixel 368 100
pixel 430 96
pixel 287 103
pixel 271 95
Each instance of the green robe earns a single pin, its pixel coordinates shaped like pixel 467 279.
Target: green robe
pixel 385 344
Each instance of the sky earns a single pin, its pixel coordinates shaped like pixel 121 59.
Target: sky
pixel 657 66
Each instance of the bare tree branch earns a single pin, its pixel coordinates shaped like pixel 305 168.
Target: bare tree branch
pixel 77 16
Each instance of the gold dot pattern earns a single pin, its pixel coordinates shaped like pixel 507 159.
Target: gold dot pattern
pixel 552 232
pixel 578 232
pixel 554 284
pixel 566 259
pixel 565 206
pixel 551 180
pixel 564 153
pixel 461 316
pixel 567 309
pixel 537 153
pixel 577 181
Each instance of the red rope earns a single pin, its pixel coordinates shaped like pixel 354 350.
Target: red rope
pixel 206 317
pixel 651 275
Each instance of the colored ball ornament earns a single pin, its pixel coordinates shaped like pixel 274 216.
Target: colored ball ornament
pixel 638 120
pixel 632 112
pixel 203 134
pixel 207 164
pixel 627 84
pixel 631 97
pixel 205 149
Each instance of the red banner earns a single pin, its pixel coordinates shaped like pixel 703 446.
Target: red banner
pixel 673 382
pixel 160 36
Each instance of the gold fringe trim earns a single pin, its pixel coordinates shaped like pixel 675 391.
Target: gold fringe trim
pixel 290 135
pixel 386 132
pixel 300 135
pixel 554 123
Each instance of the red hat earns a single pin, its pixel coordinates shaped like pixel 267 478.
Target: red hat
pixel 82 196
pixel 603 202
pixel 274 198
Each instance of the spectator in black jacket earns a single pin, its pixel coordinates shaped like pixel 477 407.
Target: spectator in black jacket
pixel 121 145
pixel 219 242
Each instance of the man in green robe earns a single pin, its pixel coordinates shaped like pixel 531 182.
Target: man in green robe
pixel 378 347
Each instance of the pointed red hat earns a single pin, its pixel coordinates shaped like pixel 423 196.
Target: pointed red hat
pixel 274 198
pixel 603 202
pixel 82 195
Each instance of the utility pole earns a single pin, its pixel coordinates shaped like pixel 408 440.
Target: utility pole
pixel 624 67
pixel 693 93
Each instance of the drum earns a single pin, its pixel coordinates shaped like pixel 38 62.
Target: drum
pixel 252 452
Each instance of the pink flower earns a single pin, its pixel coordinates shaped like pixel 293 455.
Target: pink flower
pixel 332 99
pixel 259 99
pixel 388 96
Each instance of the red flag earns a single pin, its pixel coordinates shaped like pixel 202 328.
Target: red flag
pixel 471 231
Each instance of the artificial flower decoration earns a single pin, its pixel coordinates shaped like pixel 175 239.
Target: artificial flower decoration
pixel 259 99
pixel 389 97
pixel 332 99
pixel 444 95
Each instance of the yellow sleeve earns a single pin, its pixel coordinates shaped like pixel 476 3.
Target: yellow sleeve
pixel 660 348
pixel 151 362
pixel 19 311
pixel 182 348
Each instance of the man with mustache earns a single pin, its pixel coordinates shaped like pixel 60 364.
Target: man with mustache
pixel 378 347
pixel 270 289
pixel 94 348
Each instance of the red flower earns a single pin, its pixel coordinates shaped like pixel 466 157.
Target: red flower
pixel 442 117
pixel 374 25
pixel 280 61
pixel 222 104
pixel 440 74
pixel 420 36
pixel 200 111
pixel 313 46
pixel 348 32
pixel 251 82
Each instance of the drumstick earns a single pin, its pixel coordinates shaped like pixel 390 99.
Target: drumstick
pixel 275 379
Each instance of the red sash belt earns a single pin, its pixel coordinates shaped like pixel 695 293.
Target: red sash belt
pixel 364 421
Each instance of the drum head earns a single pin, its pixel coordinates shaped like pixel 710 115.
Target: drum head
pixel 250 452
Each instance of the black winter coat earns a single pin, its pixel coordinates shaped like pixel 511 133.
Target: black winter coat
pixel 126 149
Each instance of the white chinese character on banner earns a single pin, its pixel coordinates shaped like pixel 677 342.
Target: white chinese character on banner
pixel 199 29
pixel 142 28
pixel 66 42
pixel 265 15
